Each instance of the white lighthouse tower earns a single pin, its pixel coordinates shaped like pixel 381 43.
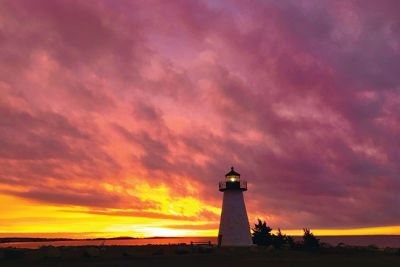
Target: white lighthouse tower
pixel 234 229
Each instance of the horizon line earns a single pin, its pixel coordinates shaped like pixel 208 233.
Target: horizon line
pixel 367 231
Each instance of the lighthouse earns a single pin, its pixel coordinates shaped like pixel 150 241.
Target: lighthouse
pixel 234 229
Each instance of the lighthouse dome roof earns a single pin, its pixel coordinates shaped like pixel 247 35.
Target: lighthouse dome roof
pixel 232 173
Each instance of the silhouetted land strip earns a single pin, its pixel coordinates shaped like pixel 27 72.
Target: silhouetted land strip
pixel 39 239
pixel 377 240
pixel 204 256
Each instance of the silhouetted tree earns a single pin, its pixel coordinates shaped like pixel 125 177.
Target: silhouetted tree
pixel 279 240
pixel 262 234
pixel 310 242
pixel 291 243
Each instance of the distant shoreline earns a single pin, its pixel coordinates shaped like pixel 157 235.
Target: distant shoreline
pixel 44 239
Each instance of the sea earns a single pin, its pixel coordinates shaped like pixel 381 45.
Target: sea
pixel 376 240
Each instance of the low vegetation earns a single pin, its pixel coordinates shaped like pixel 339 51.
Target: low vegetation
pixel 262 236
pixel 186 255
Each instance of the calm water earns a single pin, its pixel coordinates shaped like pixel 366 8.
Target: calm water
pixel 380 241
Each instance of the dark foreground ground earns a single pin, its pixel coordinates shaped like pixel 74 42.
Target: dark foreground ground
pixel 197 256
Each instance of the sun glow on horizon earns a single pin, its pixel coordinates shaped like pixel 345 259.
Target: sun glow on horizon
pixel 174 216
pixel 383 230
pixel 26 218
pixel 148 232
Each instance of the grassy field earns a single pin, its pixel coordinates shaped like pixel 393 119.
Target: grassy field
pixel 196 256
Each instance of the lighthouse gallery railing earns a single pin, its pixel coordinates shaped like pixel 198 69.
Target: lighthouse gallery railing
pixel 223 185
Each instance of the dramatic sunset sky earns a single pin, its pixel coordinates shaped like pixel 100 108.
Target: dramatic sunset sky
pixel 120 117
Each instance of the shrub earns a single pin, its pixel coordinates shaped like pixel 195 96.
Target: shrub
pixel 279 240
pixel 262 234
pixel 310 242
pixel 292 244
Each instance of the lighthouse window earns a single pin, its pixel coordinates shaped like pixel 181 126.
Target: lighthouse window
pixel 233 178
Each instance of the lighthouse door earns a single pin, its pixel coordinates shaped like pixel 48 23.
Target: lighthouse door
pixel 219 240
